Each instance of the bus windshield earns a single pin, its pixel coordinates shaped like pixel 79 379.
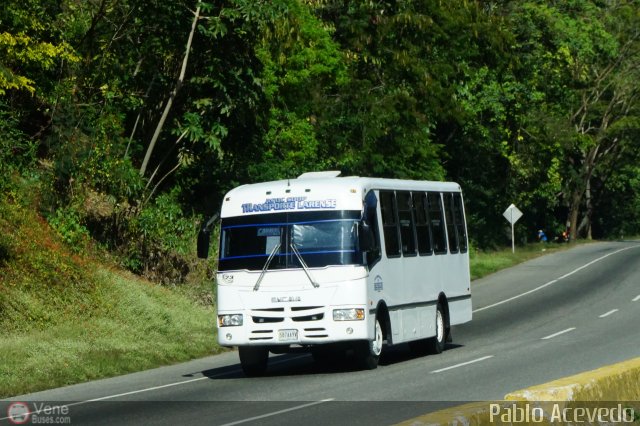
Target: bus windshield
pixel 320 238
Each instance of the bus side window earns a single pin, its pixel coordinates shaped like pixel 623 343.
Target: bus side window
pixel 451 227
pixel 458 217
pixel 407 223
pixel 423 230
pixel 437 222
pixel 390 223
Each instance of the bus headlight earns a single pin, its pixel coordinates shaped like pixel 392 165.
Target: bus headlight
pixel 229 320
pixel 353 314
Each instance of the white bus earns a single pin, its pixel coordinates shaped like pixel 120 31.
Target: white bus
pixel 334 263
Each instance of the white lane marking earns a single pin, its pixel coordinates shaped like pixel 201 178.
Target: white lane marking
pixel 275 413
pixel 227 373
pixel 146 389
pixel 180 383
pixel 553 281
pixel 462 364
pixel 275 362
pixel 516 297
pixel 608 313
pixel 551 336
pixel 635 299
pixel 129 393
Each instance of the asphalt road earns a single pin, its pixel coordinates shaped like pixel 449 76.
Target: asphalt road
pixel 551 317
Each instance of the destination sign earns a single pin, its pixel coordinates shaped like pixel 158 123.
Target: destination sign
pixel 288 203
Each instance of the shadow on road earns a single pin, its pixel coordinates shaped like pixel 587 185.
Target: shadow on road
pixel 303 364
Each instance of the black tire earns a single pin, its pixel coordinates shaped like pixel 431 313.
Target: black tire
pixel 435 344
pixel 253 360
pixel 368 352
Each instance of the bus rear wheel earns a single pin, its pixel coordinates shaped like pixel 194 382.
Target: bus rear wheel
pixel 368 352
pixel 435 345
pixel 253 360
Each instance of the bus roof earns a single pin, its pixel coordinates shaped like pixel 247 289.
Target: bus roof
pixel 316 191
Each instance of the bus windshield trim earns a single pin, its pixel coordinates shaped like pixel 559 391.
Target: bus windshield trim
pixel 321 239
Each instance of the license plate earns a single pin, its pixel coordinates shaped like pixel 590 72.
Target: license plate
pixel 287 335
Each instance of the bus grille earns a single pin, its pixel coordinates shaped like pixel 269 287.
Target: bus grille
pixel 316 317
pixel 303 315
pixel 309 333
pixel 262 320
pixel 261 335
pixel 294 313
pixel 315 333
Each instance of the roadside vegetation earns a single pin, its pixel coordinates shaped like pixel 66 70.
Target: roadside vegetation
pixel 68 316
pixel 483 263
pixel 123 124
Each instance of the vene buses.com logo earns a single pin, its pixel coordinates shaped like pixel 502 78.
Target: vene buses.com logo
pixel 18 413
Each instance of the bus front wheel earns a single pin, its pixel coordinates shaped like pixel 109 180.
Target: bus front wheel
pixel 253 360
pixel 368 352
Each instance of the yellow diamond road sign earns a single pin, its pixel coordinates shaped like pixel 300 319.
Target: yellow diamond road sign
pixel 512 214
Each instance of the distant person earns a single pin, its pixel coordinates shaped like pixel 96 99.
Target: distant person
pixel 542 237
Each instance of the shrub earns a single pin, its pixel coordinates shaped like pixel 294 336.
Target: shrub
pixel 17 151
pixel 160 240
pixel 67 222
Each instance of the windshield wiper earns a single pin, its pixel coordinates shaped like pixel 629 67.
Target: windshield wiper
pixel 266 266
pixel 304 265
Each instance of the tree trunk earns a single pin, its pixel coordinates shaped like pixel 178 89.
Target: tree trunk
pixel 172 96
pixel 574 209
pixel 585 225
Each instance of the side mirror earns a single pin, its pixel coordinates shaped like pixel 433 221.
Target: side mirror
pixel 365 237
pixel 204 237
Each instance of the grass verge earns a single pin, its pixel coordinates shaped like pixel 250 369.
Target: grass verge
pixel 483 263
pixel 66 318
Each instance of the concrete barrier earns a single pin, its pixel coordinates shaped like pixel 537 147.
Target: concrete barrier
pixel 617 382
pixel 471 414
pixel 616 386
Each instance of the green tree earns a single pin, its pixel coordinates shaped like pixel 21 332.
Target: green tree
pixel 302 71
pixel 29 44
pixel 400 84
pixel 582 58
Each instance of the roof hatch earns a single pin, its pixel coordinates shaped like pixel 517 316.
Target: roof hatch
pixel 320 175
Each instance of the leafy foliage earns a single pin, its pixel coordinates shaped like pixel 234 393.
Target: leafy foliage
pixel 158 241
pixel 29 44
pixel 67 222
pixel 581 56
pixel 526 101
pixel 17 152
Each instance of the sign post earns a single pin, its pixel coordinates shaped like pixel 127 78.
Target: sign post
pixel 512 214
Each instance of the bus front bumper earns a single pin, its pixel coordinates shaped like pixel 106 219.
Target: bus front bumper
pixel 286 331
